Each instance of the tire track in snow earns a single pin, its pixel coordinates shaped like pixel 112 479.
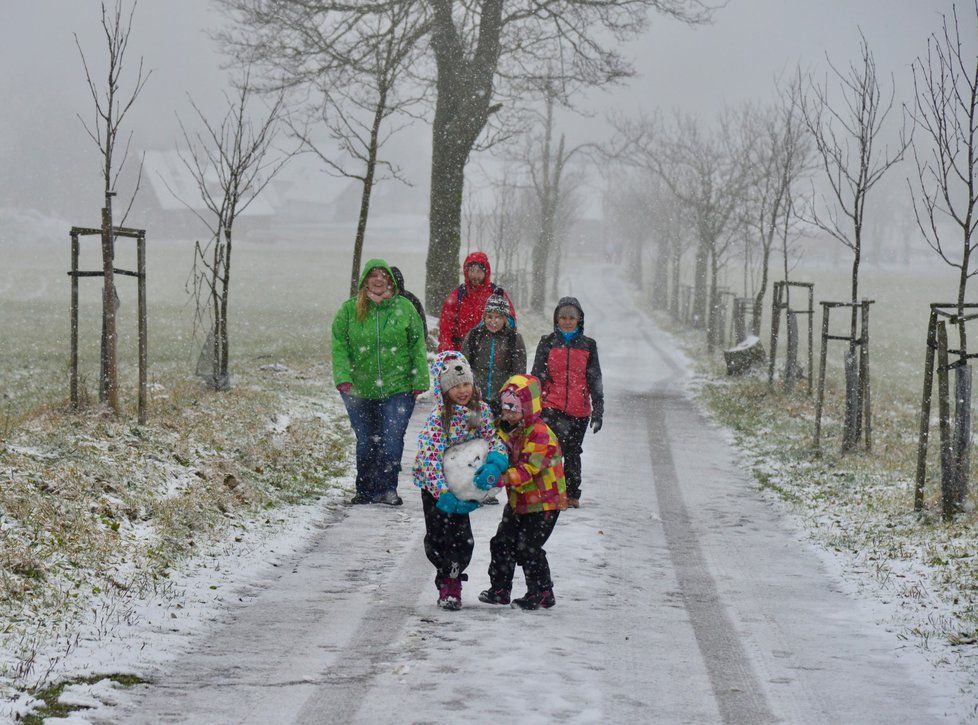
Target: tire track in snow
pixel 738 693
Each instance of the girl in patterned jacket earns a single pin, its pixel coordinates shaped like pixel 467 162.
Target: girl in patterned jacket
pixel 533 475
pixel 458 416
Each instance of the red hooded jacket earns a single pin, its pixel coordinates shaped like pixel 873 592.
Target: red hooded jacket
pixel 464 306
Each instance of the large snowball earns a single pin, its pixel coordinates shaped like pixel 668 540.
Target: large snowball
pixel 460 463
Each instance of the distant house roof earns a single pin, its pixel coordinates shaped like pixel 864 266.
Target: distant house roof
pixel 175 188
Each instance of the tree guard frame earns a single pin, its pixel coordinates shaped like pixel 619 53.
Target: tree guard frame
pixel 937 346
pixel 140 274
pixel 777 304
pixel 862 342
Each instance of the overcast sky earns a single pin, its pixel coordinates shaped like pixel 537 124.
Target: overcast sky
pixel 696 69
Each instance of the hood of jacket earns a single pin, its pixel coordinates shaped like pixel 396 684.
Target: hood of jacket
pixel 528 390
pixel 572 301
pixel 477 258
pixel 372 264
pixel 438 366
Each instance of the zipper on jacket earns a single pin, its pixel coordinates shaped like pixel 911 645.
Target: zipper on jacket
pixel 492 362
pixel 380 369
pixel 567 383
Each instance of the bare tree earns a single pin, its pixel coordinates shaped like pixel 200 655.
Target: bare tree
pixel 111 106
pixel 780 158
pixel 546 161
pixel 363 103
pixel 946 112
pixel 483 51
pixel 231 162
pixel 846 136
pixel 708 172
pixel 846 139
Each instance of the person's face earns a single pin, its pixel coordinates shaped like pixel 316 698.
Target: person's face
pixel 461 394
pixel 567 320
pixel 495 321
pixel 378 281
pixel 512 416
pixel 476 274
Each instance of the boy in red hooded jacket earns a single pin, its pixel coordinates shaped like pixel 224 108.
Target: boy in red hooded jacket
pixel 463 307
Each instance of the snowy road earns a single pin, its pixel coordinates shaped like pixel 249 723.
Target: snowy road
pixel 682 596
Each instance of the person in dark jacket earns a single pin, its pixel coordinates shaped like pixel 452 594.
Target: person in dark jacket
pixel 411 297
pixel 495 350
pixel 566 363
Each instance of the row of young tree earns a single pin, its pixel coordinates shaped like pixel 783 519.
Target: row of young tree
pixel 739 193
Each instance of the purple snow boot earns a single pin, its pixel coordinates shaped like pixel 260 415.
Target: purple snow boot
pixel 450 593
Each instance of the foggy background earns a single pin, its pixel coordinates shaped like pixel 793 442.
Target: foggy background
pixel 50 168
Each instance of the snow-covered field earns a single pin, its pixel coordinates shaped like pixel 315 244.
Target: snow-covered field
pixel 685 594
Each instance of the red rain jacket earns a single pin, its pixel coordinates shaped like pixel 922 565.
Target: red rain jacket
pixel 464 306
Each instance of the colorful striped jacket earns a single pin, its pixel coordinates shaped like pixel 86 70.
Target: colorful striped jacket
pixel 535 477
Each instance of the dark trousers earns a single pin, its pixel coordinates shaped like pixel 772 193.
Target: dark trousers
pixel 519 540
pixel 570 431
pixel 379 426
pixel 448 541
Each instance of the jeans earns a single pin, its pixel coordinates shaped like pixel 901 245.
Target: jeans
pixel 379 426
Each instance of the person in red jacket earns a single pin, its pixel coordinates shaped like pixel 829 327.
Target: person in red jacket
pixel 567 364
pixel 464 305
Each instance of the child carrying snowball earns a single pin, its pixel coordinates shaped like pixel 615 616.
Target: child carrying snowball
pixel 458 416
pixel 533 474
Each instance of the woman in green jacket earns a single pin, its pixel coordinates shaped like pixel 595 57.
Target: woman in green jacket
pixel 379 367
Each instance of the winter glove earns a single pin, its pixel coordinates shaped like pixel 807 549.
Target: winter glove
pixel 345 388
pixel 449 503
pixel 488 474
pixel 596 424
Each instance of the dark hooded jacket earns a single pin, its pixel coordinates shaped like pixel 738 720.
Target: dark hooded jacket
pixel 569 370
pixel 411 297
pixel 494 357
pixel 464 305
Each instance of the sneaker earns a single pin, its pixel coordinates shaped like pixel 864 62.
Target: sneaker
pixel 536 600
pixel 360 498
pixel 450 594
pixel 573 503
pixel 494 596
pixel 391 499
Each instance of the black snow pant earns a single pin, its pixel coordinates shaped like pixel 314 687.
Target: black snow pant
pixel 570 431
pixel 519 540
pixel 448 541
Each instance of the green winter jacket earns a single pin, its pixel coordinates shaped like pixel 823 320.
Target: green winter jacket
pixel 385 353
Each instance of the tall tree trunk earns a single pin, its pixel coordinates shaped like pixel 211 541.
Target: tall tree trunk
pixel 368 186
pixel 674 293
pixel 444 242
pixel 225 293
pixel 660 276
pixel 462 108
pixel 700 285
pixel 711 320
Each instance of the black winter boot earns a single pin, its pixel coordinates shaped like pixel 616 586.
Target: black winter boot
pixel 494 596
pixel 543 599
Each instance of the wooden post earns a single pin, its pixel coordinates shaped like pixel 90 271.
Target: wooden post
pixel 924 427
pixel 141 312
pixel 775 324
pixel 811 337
pixel 820 392
pixel 944 413
pixel 73 315
pixel 866 392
